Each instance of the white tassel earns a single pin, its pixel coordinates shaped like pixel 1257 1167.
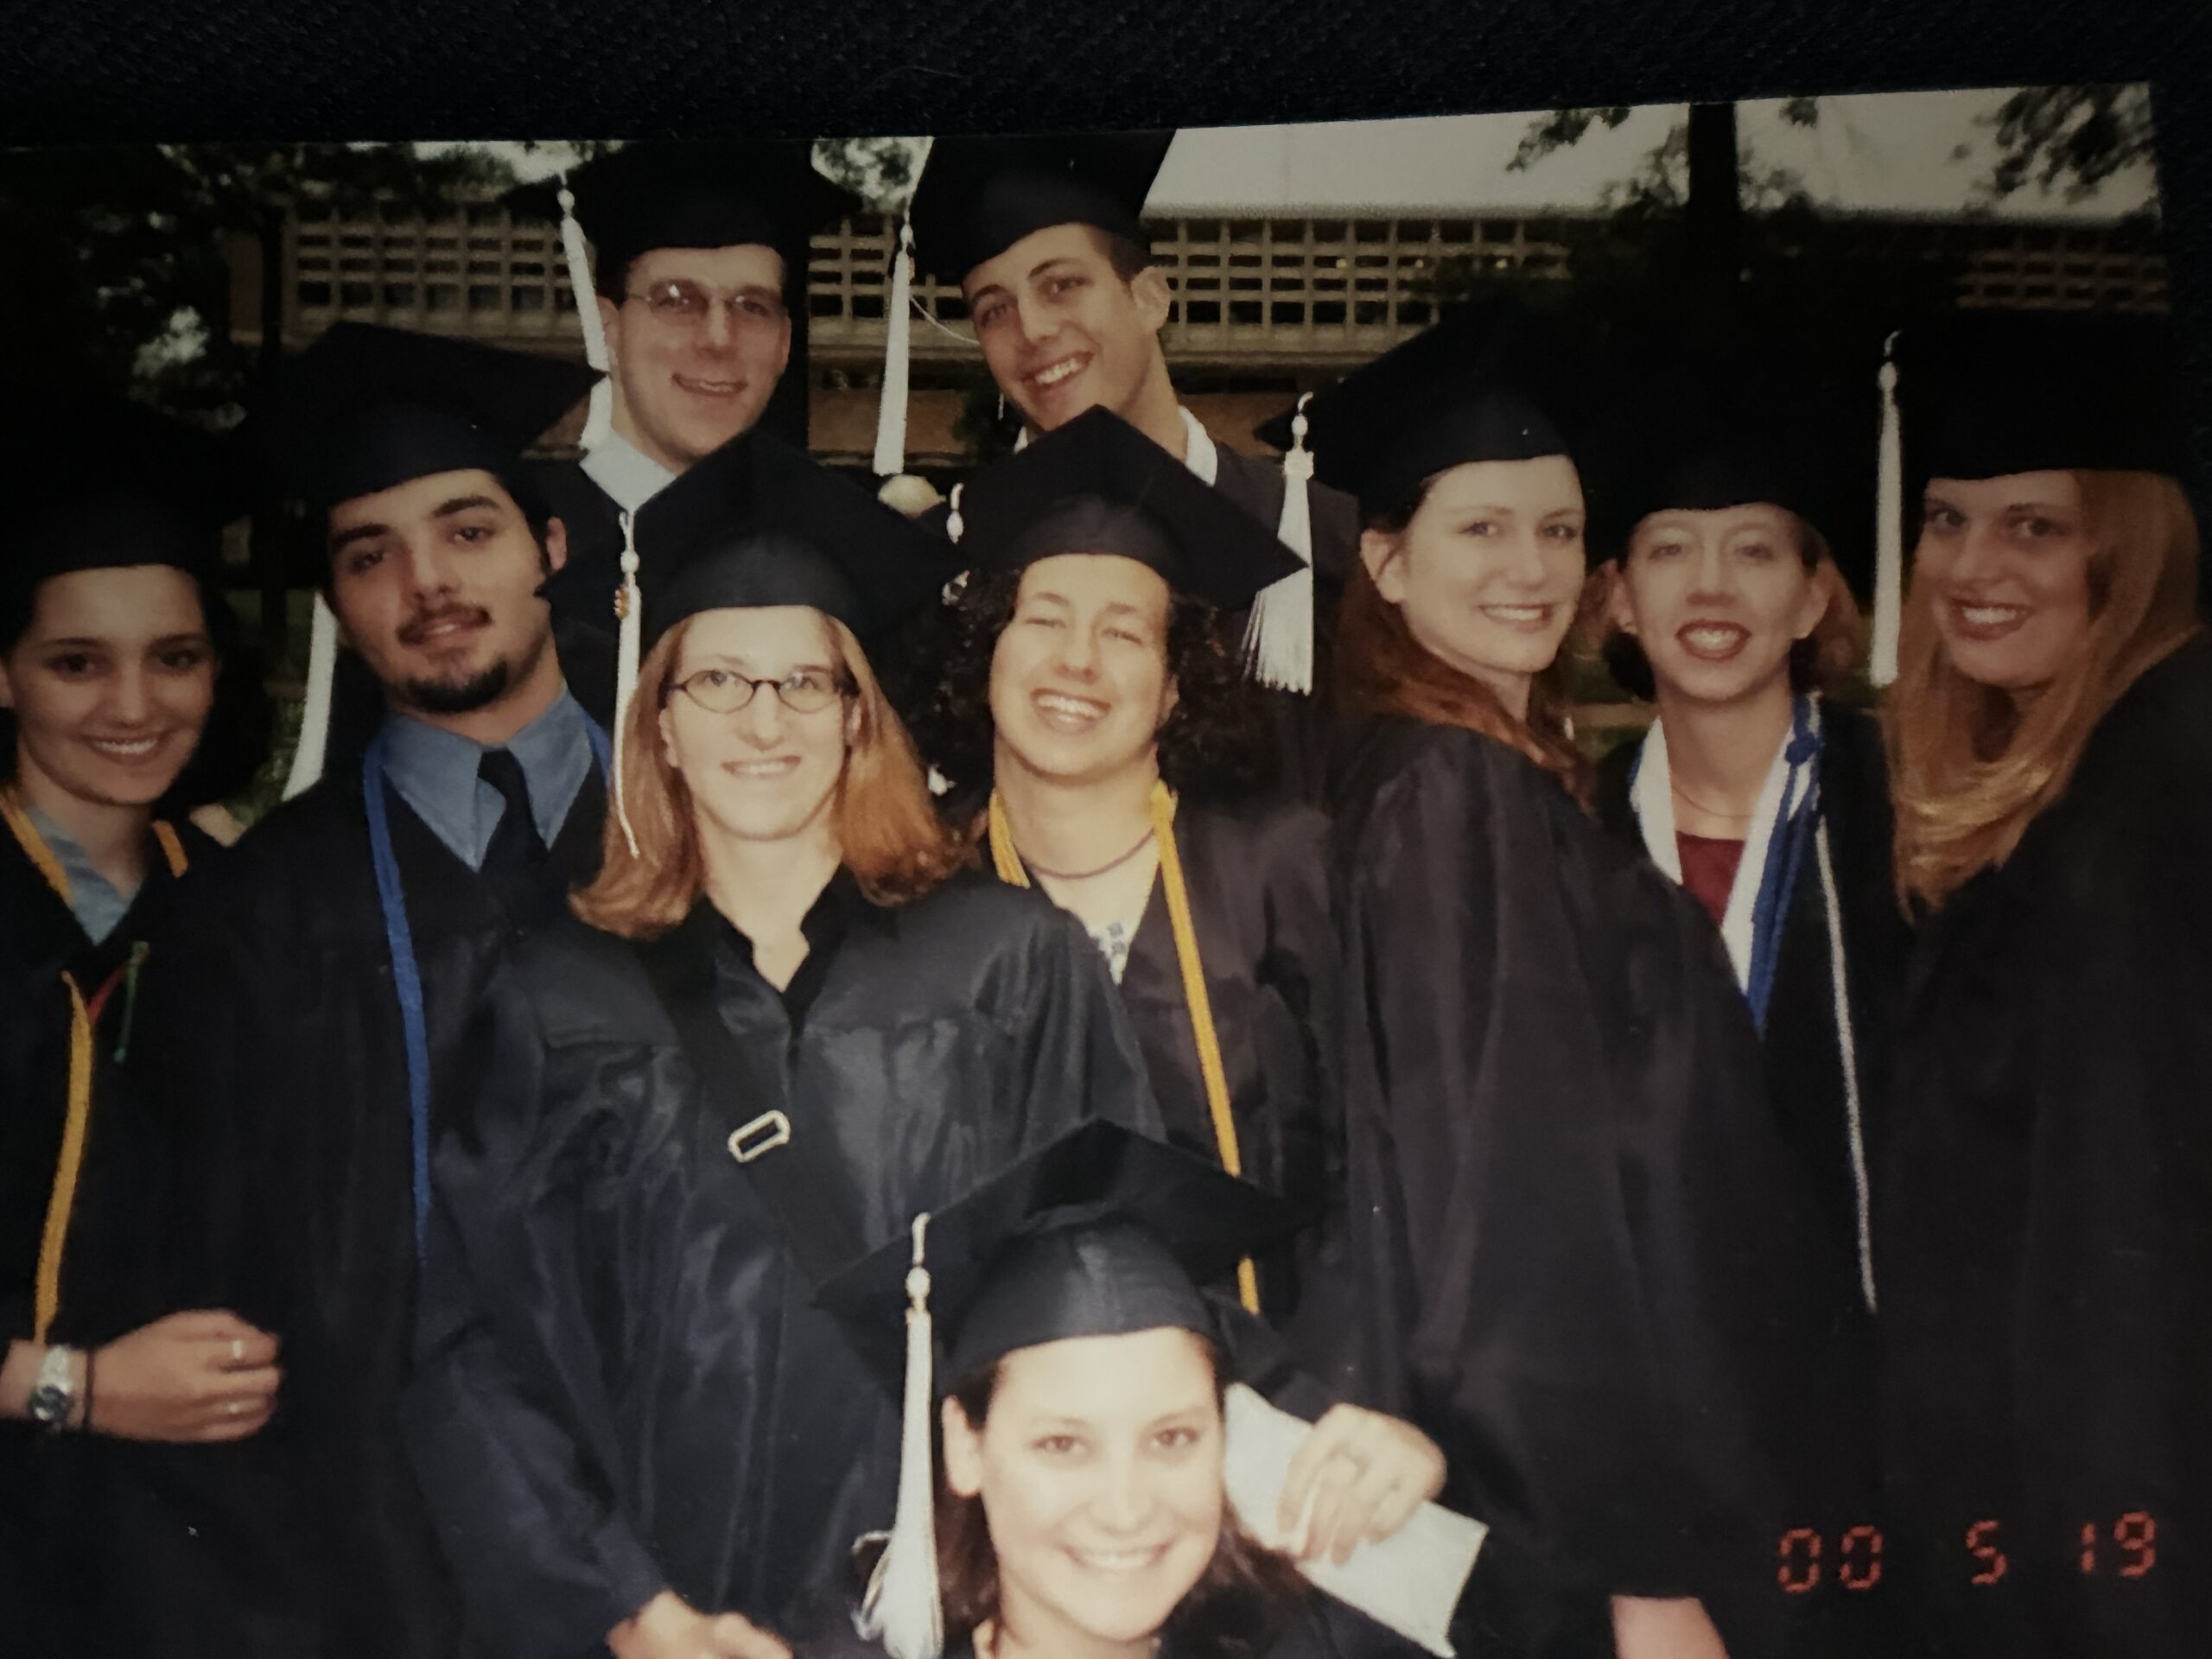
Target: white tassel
pixel 891 408
pixel 953 524
pixel 1888 530
pixel 314 718
pixel 902 1608
pixel 1279 638
pixel 629 611
pixel 598 419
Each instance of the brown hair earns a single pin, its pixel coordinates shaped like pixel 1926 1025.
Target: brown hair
pixel 1381 669
pixel 1232 1609
pixel 1970 770
pixel 1826 661
pixel 1130 258
pixel 889 833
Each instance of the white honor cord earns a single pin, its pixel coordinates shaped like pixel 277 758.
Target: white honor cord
pixel 314 714
pixel 1848 1047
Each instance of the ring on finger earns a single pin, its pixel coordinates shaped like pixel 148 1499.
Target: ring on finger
pixel 235 1408
pixel 237 1350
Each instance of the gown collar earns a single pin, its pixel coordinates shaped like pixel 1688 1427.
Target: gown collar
pixel 628 475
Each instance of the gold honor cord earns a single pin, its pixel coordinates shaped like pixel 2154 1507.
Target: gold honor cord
pixel 61 1202
pixel 1008 861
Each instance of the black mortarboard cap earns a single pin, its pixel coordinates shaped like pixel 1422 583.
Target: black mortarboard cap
pixel 100 484
pixel 1986 394
pixel 1492 381
pixel 758 523
pixel 1097 484
pixel 979 195
pixel 1105 1232
pixel 665 194
pixel 1731 429
pixel 366 408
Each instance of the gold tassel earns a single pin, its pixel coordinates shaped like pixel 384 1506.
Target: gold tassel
pixel 1007 863
pixel 61 1200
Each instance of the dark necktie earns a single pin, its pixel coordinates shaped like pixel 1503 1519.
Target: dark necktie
pixel 514 865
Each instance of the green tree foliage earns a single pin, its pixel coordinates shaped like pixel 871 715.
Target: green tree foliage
pixel 2069 139
pixel 116 265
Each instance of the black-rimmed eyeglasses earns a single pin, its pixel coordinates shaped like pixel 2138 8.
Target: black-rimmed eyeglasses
pixel 804 691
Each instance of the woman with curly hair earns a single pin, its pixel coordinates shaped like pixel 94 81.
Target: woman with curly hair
pixel 126 700
pixel 2046 1219
pixel 1557 1132
pixel 787 1015
pixel 1101 739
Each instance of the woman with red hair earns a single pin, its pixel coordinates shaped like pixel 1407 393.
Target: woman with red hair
pixel 2046 1218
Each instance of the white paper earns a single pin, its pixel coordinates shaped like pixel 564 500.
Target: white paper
pixel 1410 1582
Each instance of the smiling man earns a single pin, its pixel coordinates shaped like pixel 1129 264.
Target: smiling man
pixel 1043 236
pixel 318 1019
pixel 700 254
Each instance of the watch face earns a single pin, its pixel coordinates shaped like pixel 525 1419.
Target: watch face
pixel 50 1402
pixel 55 1390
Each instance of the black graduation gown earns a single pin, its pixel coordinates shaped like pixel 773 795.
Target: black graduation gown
pixel 1577 1241
pixel 56 1572
pixel 285 1073
pixel 2045 1250
pixel 1317 1627
pixel 626 1383
pixel 1802 1047
pixel 1257 874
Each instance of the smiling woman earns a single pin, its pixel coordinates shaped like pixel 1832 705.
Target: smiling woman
pixel 115 644
pixel 795 1019
pixel 1066 1495
pixel 1551 1084
pixel 2045 1247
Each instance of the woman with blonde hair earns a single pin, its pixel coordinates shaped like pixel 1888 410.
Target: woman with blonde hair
pixel 788 1017
pixel 1552 1087
pixel 2047 1206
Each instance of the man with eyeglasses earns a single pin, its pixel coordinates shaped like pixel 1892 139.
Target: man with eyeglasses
pixel 699 264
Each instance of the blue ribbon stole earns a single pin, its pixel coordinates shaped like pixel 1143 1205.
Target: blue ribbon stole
pixel 407 972
pixel 1797 822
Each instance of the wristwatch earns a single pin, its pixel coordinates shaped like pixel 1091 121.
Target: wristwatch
pixel 53 1396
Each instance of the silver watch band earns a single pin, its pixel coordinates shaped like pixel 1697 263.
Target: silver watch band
pixel 54 1396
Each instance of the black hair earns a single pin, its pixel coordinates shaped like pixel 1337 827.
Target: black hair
pixel 235 742
pixel 1213 743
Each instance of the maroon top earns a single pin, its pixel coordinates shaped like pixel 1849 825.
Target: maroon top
pixel 1709 870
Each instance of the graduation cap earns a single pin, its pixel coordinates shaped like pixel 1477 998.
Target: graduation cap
pixel 1717 431
pixel 758 523
pixel 977 196
pixel 1493 381
pixel 1103 1233
pixel 663 193
pixel 1097 484
pixel 367 408
pixel 103 483
pixel 1984 394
